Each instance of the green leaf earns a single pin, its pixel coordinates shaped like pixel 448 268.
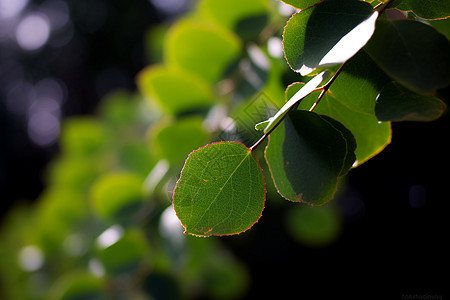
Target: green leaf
pixel 125 255
pixel 314 226
pixel 78 285
pixel 413 53
pixel 84 136
pixel 117 196
pixel 396 103
pixel 301 4
pixel 302 93
pixel 176 91
pixel 359 84
pixel 327 34
pixel 201 48
pixel 229 13
pixel 307 155
pixel 371 136
pixel 174 141
pixel 221 190
pixel 429 9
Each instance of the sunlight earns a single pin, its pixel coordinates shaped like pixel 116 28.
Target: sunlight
pixel 31 258
pixel 33 32
pixel 110 236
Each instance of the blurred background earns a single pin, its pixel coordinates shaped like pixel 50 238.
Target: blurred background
pixel 60 58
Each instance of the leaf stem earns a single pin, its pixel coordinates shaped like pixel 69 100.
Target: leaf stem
pixel 385 6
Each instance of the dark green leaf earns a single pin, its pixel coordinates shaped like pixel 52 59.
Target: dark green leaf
pixel 307 155
pixel 327 34
pixel 201 48
pixel 427 9
pixel 413 53
pixel 174 90
pixel 396 103
pixel 221 190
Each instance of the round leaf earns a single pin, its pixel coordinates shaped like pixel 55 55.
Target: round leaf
pixel 174 90
pixel 413 53
pixel 327 34
pixel 221 190
pixel 201 48
pixel 306 155
pixel 397 103
pixel 117 196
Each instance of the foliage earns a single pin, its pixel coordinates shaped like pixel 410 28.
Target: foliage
pixel 105 227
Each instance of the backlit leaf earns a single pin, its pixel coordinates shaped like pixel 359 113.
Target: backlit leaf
pixel 327 34
pixel 174 90
pixel 201 48
pixel 221 190
pixel 429 9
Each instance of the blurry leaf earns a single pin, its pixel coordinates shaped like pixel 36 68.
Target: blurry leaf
pixel 371 136
pixel 84 136
pixel 413 53
pixel 117 196
pixel 176 91
pixel 306 155
pixel 429 9
pixel 126 254
pixel 119 108
pixel 317 226
pixel 301 4
pixel 135 157
pixel 396 103
pixel 60 212
pixel 327 34
pixel 74 172
pixel 229 13
pixel 78 285
pixel 201 48
pixel 174 141
pixel 221 190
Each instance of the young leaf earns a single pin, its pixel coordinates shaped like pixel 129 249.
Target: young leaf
pixel 413 53
pixel 174 90
pixel 201 48
pixel 396 103
pixel 329 33
pixel 221 190
pixel 307 154
pixel 302 93
pixel 174 141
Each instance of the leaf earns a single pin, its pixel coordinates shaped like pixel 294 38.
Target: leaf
pixel 174 141
pixel 314 226
pixel 225 12
pixel 201 48
pixel 117 196
pixel 415 54
pixel 396 103
pixel 302 93
pixel 78 285
pixel 371 136
pixel 221 190
pixel 125 255
pixel 84 136
pixel 307 155
pixel 176 91
pixel 301 4
pixel 327 34
pixel 429 9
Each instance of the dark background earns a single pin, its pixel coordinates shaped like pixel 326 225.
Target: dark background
pixel 395 233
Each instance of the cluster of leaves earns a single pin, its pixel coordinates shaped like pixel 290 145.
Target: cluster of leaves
pixel 105 226
pixel 382 69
